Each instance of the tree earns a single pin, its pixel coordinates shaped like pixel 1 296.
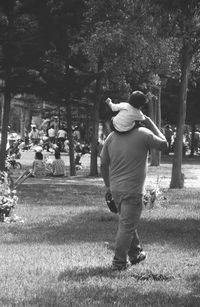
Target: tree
pixel 179 22
pixel 66 20
pixel 109 44
pixel 34 30
pixel 20 45
pixel 119 35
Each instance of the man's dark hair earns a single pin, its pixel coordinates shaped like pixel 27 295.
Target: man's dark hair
pixel 137 99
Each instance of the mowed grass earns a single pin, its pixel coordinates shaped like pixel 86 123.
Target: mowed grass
pixel 58 256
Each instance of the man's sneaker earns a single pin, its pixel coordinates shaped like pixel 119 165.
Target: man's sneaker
pixel 141 256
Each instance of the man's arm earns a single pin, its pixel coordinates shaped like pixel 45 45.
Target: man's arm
pixel 151 126
pixel 105 174
pixel 105 163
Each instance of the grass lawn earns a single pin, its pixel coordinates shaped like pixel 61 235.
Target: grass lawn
pixel 58 256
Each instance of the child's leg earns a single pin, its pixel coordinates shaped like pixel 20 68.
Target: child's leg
pixel 112 127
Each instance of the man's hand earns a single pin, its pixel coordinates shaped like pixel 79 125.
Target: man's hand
pixel 148 122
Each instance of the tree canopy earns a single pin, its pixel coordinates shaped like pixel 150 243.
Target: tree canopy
pixel 68 50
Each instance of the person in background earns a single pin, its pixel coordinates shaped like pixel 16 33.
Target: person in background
pixel 52 134
pixel 66 146
pixel 76 134
pixel 34 135
pixel 26 137
pixel 61 135
pixel 168 134
pixel 38 167
pixel 196 140
pixel 58 165
pixel 100 143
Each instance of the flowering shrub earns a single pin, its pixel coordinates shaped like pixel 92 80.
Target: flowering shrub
pixel 8 197
pixel 151 196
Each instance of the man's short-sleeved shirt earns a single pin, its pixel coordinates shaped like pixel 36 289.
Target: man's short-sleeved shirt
pixel 126 156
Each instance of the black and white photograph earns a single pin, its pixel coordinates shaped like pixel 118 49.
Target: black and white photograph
pixel 99 153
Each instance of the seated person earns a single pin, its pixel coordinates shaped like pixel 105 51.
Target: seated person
pixel 66 146
pixel 38 169
pixel 39 166
pixel 58 165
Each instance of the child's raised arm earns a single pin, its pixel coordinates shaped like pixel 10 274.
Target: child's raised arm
pixel 114 106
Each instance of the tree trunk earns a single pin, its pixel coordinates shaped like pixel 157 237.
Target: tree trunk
pixel 8 60
pixel 94 143
pixel 5 122
pixel 95 124
pixel 71 141
pixel 1 105
pixel 177 178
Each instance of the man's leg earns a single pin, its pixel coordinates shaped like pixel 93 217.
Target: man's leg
pixel 135 247
pixel 135 253
pixel 127 241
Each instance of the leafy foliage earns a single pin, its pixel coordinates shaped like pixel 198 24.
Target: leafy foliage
pixel 20 46
pixel 123 33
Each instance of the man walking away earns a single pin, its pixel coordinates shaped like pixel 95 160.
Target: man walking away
pixel 124 167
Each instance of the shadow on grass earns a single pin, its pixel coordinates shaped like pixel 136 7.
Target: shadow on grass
pixel 78 273
pixel 55 195
pixel 100 226
pixel 182 233
pixel 89 288
pixel 95 226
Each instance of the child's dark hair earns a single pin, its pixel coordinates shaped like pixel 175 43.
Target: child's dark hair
pixel 38 155
pixel 137 99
